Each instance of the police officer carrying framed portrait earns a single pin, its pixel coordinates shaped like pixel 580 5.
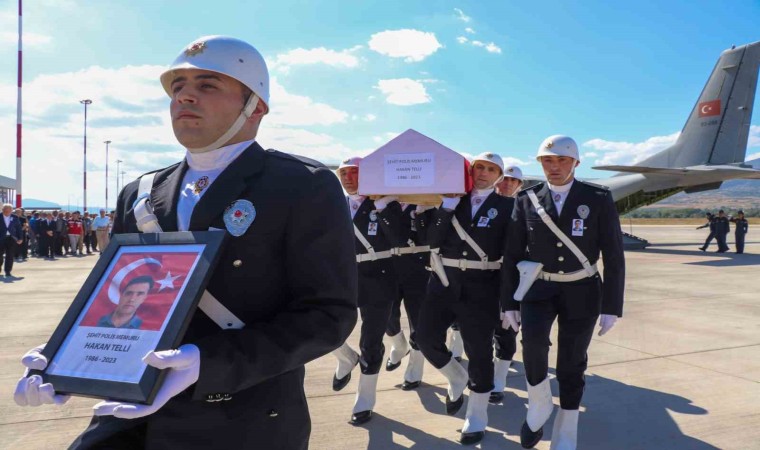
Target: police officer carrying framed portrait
pixel 557 232
pixel 284 290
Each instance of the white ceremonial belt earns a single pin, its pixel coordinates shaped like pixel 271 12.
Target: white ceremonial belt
pixel 219 313
pixel 374 256
pixel 568 277
pixel 411 250
pixel 465 264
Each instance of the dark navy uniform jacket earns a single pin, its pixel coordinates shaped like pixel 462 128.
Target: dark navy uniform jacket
pixel 291 278
pixel 491 235
pixel 530 239
pixel 387 234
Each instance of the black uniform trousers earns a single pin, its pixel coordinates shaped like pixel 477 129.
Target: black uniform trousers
pixel 721 238
pixel 46 247
pixel 7 248
pixel 472 300
pixel 505 343
pixel 576 327
pixel 709 239
pixel 377 292
pixel 413 279
pixel 739 238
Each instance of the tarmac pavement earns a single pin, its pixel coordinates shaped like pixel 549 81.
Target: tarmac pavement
pixel 680 371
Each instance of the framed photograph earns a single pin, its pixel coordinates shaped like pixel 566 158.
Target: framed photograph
pixel 140 296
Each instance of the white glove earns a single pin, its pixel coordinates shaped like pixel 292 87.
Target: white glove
pixel 184 366
pixel 606 321
pixel 450 202
pixel 381 203
pixel 422 208
pixel 30 391
pixel 511 319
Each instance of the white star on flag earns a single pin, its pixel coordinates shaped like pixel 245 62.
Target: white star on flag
pixel 167 282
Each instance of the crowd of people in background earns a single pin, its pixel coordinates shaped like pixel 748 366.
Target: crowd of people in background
pixel 51 234
pixel 719 226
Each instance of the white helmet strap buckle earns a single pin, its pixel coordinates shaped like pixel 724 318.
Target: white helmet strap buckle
pixel 236 126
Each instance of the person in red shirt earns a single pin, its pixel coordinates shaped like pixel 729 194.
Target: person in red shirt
pixel 76 231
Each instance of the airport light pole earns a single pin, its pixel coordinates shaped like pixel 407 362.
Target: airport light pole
pixel 85 102
pixel 18 114
pixel 118 163
pixel 106 142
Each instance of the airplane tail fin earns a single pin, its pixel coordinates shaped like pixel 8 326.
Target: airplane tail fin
pixel 717 130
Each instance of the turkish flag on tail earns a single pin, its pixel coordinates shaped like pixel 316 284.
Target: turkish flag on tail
pixel 711 108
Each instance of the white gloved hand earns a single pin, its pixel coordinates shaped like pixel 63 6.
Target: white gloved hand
pixel 30 391
pixel 422 208
pixel 606 321
pixel 450 202
pixel 184 366
pixel 382 202
pixel 511 319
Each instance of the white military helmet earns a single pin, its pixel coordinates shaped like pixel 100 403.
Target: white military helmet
pixel 353 161
pixel 513 172
pixel 490 157
pixel 558 145
pixel 231 57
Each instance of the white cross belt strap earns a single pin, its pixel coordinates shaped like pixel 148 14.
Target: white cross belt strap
pixel 467 238
pixel 148 223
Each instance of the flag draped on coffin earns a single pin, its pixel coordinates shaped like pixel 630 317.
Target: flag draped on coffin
pixel 169 271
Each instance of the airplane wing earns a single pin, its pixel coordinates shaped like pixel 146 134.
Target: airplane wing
pixel 726 171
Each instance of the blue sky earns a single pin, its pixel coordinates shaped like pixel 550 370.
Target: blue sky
pixel 621 78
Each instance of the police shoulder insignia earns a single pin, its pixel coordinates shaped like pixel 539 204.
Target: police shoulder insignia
pixel 373 216
pixel 195 49
pixel 583 211
pixel 492 213
pixel 239 216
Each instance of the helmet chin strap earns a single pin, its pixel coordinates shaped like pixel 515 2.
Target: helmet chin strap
pixel 248 109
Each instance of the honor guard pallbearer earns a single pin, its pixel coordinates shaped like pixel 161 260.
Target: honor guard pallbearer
pixel 285 283
pixel 558 230
pixel 376 228
pixel 467 237
pixel 505 339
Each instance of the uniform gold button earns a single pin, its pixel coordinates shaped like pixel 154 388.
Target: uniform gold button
pixel 561 258
pixel 237 263
pixel 559 244
pixel 273 413
pixel 464 253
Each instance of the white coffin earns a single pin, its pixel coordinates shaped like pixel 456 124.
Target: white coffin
pixel 413 167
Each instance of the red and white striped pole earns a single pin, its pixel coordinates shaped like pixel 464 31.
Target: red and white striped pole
pixel 18 116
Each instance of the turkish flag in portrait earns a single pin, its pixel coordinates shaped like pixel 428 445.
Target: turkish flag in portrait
pixel 711 108
pixel 168 270
pixel 467 177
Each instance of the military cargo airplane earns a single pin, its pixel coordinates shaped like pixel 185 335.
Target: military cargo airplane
pixel 711 147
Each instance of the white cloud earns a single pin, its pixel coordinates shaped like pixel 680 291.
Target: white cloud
pixel 754 136
pixel 752 157
pixel 591 155
pixel 412 45
pixel 403 91
pixel 490 47
pixel 321 55
pixel 298 110
pixel 385 137
pixel 370 118
pixel 493 48
pixel 469 30
pixel 462 16
pixel 620 152
pixel 508 160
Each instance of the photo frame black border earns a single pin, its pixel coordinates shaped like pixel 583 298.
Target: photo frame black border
pixel 145 390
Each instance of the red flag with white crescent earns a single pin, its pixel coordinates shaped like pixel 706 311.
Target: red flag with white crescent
pixel 707 109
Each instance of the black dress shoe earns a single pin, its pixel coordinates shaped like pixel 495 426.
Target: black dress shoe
pixel 361 417
pixel 495 398
pixel 471 438
pixel 409 385
pixel 528 437
pixel 390 367
pixel 454 407
pixel 339 384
